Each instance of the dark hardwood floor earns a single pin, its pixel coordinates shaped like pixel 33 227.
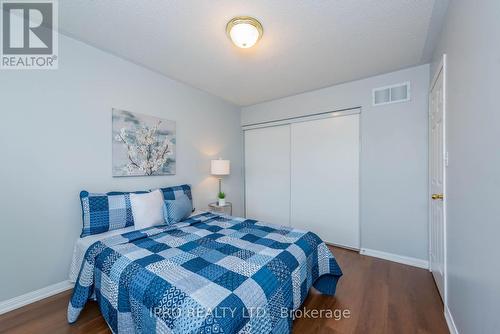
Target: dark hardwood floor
pixel 380 296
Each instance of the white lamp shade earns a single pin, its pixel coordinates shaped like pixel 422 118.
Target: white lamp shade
pixel 220 167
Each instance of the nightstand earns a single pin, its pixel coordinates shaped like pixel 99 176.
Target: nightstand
pixel 226 209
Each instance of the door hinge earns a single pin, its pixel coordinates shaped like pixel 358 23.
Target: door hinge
pixel 446 160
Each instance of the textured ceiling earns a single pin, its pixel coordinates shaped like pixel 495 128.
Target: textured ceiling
pixel 306 44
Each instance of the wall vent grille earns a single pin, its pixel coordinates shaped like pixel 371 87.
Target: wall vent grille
pixel 391 94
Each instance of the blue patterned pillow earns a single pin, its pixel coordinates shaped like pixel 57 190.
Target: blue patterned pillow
pixel 105 212
pixel 177 210
pixel 171 193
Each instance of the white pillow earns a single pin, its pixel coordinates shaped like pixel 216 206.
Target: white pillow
pixel 147 209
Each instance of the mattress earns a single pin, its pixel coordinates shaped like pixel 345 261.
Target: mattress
pixel 83 244
pixel 207 274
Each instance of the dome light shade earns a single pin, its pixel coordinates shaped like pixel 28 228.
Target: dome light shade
pixel 244 31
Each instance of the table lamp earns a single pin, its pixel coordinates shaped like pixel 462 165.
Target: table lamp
pixel 220 168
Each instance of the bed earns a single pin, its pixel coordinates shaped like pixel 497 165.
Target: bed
pixel 207 274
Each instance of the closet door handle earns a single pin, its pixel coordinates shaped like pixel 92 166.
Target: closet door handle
pixel 437 196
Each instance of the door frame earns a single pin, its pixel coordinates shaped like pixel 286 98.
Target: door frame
pixel 440 69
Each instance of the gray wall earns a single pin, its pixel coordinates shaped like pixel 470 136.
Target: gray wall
pixel 56 140
pixel 393 157
pixel 470 38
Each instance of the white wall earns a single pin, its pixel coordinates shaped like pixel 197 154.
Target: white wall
pixel 55 134
pixel 393 155
pixel 470 40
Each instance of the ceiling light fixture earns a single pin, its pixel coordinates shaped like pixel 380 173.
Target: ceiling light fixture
pixel 244 31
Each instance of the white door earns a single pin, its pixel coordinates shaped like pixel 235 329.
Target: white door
pixel 325 178
pixel 436 171
pixel 267 174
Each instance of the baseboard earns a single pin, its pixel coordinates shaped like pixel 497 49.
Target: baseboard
pixel 449 321
pixel 411 261
pixel 31 297
pixel 341 246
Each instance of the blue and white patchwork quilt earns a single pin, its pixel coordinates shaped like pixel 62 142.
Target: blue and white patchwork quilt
pixel 207 274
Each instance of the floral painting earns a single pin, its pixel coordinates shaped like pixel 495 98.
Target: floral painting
pixel 142 144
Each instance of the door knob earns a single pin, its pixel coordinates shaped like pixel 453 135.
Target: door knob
pixel 437 196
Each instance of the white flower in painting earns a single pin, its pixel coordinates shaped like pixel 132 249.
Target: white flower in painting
pixel 147 153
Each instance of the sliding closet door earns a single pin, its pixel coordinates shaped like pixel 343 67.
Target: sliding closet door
pixel 325 178
pixel 267 174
